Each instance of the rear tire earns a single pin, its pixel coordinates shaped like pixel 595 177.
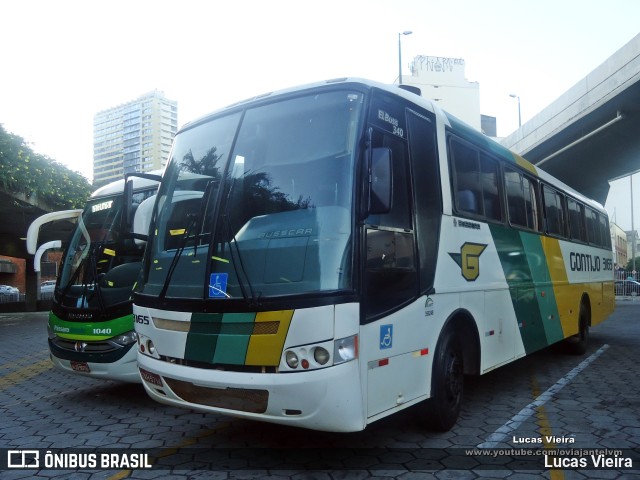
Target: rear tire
pixel 447 385
pixel 578 343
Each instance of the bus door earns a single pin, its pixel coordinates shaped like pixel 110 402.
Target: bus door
pixel 394 327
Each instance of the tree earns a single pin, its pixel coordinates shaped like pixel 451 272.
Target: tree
pixel 630 265
pixel 38 176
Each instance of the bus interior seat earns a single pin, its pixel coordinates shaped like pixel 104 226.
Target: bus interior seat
pixel 124 275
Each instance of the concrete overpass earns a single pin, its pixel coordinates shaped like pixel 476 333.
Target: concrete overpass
pixel 16 214
pixel 591 134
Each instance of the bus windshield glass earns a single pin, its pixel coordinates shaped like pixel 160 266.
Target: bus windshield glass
pixel 259 203
pixel 101 264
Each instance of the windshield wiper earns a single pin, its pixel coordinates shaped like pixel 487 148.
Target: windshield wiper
pixel 238 266
pixel 195 221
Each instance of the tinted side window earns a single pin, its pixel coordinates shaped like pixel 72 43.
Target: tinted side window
pixel 490 189
pixel 598 229
pixel 391 272
pixel 553 211
pixel 576 221
pixel 593 227
pixel 467 191
pixel 605 233
pixel 475 181
pixel 400 214
pixel 521 199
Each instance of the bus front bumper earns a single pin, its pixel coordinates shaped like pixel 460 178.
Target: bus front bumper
pixel 124 369
pixel 328 399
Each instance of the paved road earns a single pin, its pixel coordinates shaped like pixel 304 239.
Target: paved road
pixel 578 405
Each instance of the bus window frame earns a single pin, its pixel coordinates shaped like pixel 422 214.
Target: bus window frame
pixel 453 180
pixel 564 223
pixel 537 214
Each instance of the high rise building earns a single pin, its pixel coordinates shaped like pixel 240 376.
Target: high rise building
pixel 133 137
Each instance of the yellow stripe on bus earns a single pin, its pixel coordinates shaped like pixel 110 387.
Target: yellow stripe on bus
pixel 525 164
pixel 266 349
pixel 567 295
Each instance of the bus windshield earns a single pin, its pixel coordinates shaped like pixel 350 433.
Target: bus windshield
pixel 259 203
pixel 101 264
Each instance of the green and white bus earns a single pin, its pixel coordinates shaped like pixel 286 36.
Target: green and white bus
pixel 90 325
pixel 328 255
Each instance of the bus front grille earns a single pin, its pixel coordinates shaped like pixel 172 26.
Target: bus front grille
pixel 239 399
pixel 84 346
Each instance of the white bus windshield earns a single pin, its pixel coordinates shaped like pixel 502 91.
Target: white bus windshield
pixel 259 203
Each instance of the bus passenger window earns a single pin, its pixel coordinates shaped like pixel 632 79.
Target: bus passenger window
pixel 521 199
pixel 576 221
pixel 604 231
pixel 467 190
pixel 593 228
pixel 554 213
pixel 489 182
pixel 475 182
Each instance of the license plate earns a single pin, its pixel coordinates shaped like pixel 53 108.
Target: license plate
pixel 151 377
pixel 80 367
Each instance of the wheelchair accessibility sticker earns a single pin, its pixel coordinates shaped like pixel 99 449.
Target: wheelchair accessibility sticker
pixel 386 336
pixel 218 285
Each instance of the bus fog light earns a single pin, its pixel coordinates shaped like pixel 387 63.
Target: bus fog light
pixel 151 347
pixel 321 355
pixel 292 359
pixel 345 349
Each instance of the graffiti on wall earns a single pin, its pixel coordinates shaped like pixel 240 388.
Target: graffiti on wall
pixel 436 64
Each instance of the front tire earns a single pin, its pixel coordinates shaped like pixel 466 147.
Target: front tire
pixel 447 385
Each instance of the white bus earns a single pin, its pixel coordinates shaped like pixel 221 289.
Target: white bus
pixel 90 325
pixel 328 255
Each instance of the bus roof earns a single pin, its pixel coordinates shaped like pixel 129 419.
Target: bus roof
pixel 118 185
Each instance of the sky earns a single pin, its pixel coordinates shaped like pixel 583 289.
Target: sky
pixel 65 60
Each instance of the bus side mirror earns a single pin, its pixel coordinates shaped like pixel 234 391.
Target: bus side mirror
pixel 380 181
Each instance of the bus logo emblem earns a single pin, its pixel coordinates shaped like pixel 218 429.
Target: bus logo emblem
pixel 469 260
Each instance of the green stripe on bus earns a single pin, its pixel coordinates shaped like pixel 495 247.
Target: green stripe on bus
pixel 90 330
pixel 202 337
pixel 233 341
pixel 218 338
pixel 543 287
pixel 517 265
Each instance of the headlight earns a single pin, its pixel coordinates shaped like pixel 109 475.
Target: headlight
pixel 321 355
pixel 345 349
pixel 50 333
pixel 126 338
pixel 292 359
